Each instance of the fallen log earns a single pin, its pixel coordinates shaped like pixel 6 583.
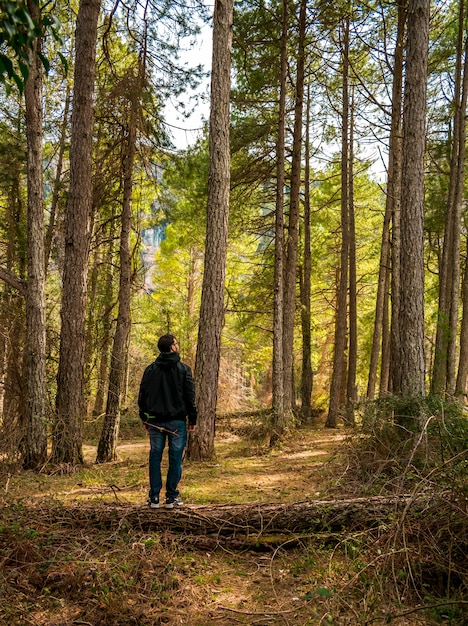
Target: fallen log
pixel 252 520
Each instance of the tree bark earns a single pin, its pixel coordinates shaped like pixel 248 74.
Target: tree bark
pixel 382 337
pixel 462 374
pixel 411 322
pixel 13 323
pixel 459 176
pixel 34 435
pixel 201 443
pixel 279 417
pixel 338 382
pixel 306 316
pixel 443 375
pixel 241 520
pixel 57 180
pixel 382 285
pixel 290 269
pixel 67 431
pixel 351 392
pixel 394 194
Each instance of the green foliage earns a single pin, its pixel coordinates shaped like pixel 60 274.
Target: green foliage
pixel 185 190
pixel 18 31
pixel 176 274
pixel 176 279
pixel 256 53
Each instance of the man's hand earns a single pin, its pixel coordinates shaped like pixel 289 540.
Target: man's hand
pixel 191 428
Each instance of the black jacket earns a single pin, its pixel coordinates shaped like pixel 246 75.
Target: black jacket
pixel 167 391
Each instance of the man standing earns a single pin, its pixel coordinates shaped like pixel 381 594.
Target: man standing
pixel 166 399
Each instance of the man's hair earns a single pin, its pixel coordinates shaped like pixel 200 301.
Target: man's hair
pixel 165 342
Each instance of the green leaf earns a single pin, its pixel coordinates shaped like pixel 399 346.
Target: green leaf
pixel 321 591
pixel 19 16
pixel 9 28
pixel 51 20
pixel 32 26
pixel 18 81
pixel 64 62
pixel 24 69
pixel 7 65
pixel 45 62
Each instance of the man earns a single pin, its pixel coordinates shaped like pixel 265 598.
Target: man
pixel 166 399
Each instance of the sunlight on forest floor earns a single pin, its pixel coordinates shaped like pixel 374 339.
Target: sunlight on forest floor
pixel 238 474
pixel 244 470
pixel 77 574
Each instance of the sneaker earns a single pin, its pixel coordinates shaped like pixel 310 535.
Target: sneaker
pixel 153 503
pixel 172 502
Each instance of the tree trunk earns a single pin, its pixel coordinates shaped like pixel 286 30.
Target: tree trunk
pixel 443 376
pixel 57 180
pixel 105 314
pixel 243 520
pixel 411 322
pixel 307 374
pixel 34 436
pixel 462 374
pixel 351 392
pixel 201 443
pixel 290 270
pixel 394 195
pixel 67 431
pixel 108 442
pixel 457 218
pixel 338 382
pixel 381 301
pixel 13 321
pixel 279 417
pixel 384 382
pixel 191 304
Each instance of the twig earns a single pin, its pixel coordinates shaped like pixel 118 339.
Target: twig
pixel 424 607
pixel 256 614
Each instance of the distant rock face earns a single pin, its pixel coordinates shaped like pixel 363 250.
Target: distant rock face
pixel 151 239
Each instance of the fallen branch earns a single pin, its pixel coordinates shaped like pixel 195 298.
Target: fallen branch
pixel 251 520
pixel 422 607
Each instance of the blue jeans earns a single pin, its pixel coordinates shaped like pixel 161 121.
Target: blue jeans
pixel 175 431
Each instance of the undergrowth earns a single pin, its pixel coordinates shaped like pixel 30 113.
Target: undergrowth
pixel 58 570
pixel 417 447
pixel 417 443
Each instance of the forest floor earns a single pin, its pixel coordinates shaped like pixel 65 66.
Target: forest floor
pixel 56 571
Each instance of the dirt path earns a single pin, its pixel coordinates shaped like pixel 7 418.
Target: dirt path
pixel 244 470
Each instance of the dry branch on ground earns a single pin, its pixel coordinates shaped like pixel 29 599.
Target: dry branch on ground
pixel 241 520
